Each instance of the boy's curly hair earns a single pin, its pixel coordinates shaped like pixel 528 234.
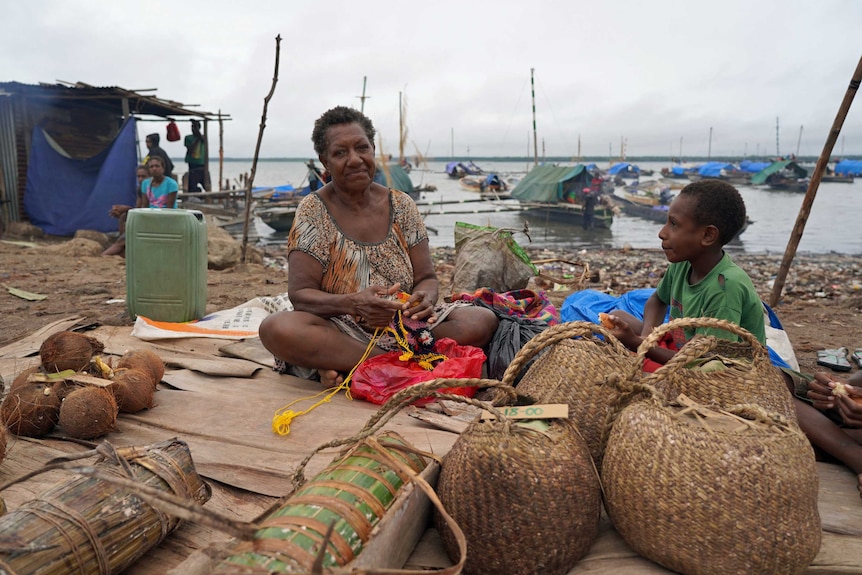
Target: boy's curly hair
pixel 335 116
pixel 719 204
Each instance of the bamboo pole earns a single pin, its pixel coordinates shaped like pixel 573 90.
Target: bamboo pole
pixel 805 208
pixel 250 181
pixel 220 151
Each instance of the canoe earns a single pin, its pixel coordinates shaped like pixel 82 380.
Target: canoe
pixel 219 398
pixel 277 215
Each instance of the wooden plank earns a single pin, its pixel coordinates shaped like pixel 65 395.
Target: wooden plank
pixel 30 345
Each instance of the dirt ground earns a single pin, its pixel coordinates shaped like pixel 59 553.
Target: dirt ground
pixel 822 308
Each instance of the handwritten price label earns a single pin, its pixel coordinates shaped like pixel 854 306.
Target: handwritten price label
pixel 542 411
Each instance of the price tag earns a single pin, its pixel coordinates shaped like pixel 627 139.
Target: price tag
pixel 542 411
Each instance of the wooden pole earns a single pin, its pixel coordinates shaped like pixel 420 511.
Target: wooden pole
pixel 220 150
pixel 805 209
pixel 250 182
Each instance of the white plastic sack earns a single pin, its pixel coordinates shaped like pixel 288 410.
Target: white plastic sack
pixel 240 322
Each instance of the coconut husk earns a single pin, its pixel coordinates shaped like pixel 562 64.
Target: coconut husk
pixel 31 410
pixel 133 390
pixel 145 360
pixel 68 350
pixel 22 378
pixel 88 412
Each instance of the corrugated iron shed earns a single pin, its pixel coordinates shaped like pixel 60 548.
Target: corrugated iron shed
pixel 81 118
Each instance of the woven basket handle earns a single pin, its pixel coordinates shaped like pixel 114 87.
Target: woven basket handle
pixel 697 346
pixel 552 335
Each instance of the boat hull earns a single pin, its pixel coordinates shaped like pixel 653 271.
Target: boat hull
pixel 568 213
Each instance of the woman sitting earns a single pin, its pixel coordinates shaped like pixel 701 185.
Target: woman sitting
pixel 353 246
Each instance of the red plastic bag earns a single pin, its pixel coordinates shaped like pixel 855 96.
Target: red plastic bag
pixel 382 376
pixel 173 131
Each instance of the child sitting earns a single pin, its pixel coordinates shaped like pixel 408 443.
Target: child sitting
pixel 702 281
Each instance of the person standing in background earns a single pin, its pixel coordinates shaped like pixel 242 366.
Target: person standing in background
pixel 156 151
pixel 196 158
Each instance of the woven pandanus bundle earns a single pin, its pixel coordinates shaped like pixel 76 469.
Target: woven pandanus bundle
pixel 745 374
pixel 89 526
pixel 526 496
pixel 712 492
pixel 352 494
pixel 573 371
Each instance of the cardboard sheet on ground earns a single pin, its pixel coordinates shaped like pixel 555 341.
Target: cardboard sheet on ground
pixel 239 322
pixel 227 423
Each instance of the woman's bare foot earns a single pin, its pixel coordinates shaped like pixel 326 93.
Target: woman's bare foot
pixel 330 377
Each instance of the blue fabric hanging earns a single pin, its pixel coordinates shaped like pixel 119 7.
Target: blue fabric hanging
pixel 64 195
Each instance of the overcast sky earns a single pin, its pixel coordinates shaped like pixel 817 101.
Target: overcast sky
pixel 659 74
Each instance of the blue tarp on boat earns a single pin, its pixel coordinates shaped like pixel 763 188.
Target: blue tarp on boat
pixel 624 168
pixel 64 194
pixel 713 169
pixel 849 168
pixel 551 183
pixel 753 167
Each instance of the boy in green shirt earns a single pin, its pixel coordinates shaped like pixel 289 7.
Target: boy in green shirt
pixel 702 281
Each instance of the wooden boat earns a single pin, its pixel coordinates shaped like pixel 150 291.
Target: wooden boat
pixel 480 184
pixel 556 192
pixel 277 215
pixel 654 212
pixel 249 467
pixel 458 170
pixel 649 193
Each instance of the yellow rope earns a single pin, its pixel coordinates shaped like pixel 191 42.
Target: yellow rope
pixel 283 417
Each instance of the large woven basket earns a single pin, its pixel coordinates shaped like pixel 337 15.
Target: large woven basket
pixel 527 500
pixel 748 376
pixel 574 371
pixel 706 492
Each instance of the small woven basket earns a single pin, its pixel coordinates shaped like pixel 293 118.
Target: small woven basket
pixel 527 500
pixel 703 491
pixel 748 376
pixel 573 371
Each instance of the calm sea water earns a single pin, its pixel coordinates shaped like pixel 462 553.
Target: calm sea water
pixel 833 224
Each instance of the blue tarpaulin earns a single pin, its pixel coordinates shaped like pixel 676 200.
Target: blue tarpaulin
pixel 753 167
pixel 849 167
pixel 713 169
pixel 624 168
pixel 64 195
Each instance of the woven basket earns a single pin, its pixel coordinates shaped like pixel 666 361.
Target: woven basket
pixel 527 500
pixel 748 377
pixel 701 491
pixel 573 371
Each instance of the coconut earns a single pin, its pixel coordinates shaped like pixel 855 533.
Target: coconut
pixel 144 360
pixel 68 350
pixel 88 412
pixel 133 390
pixel 21 379
pixel 31 410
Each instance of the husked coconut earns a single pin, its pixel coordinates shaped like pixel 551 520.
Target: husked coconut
pixel 88 412
pixel 31 410
pixel 68 350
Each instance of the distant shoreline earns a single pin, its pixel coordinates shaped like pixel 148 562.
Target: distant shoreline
pixel 589 159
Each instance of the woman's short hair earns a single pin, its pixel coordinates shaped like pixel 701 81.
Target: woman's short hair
pixel 334 117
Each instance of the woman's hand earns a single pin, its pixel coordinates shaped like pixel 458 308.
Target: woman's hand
pixel 375 305
pixel 419 306
pixel 820 391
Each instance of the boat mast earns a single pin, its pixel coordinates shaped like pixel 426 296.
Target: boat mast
pixel 777 151
pixel 709 149
pixel 535 140
pixel 452 142
pixel 363 97
pixel 798 141
pixel 400 130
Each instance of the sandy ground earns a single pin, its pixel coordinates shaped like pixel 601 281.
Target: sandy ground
pixel 821 305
